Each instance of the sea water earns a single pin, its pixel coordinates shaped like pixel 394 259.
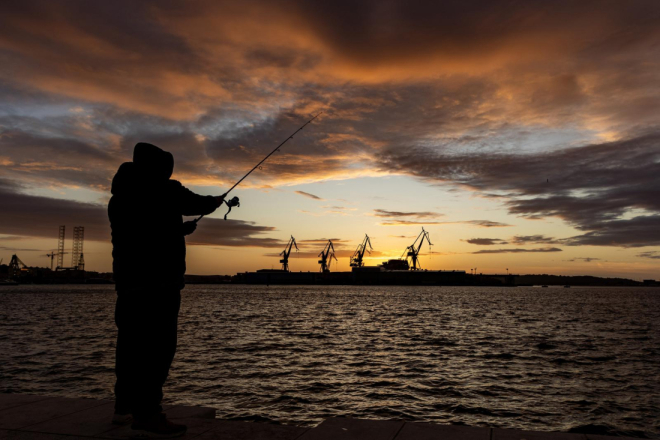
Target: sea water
pixel 553 359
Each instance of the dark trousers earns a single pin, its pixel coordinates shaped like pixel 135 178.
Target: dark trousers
pixel 146 343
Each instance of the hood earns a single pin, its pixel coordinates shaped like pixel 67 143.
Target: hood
pixel 125 179
pixel 152 164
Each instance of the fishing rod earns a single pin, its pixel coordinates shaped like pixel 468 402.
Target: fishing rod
pixel 234 201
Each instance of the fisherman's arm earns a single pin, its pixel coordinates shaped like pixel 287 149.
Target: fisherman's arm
pixel 195 204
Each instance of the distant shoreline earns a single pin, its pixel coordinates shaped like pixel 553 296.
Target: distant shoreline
pixel 341 278
pixel 358 276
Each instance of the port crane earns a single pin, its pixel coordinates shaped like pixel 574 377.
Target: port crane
pixel 356 259
pixel 17 267
pixel 326 255
pixel 52 256
pixel 413 253
pixel 286 252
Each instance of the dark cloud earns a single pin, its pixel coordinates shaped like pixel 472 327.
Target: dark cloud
pixel 321 242
pixel 518 240
pixel 316 245
pixel 58 160
pixel 35 216
pixel 585 259
pixel 382 31
pixel 478 223
pixel 419 214
pixel 485 223
pixel 339 208
pixel 214 231
pixel 407 223
pixel 533 239
pixel 282 58
pixel 515 251
pixel 655 255
pixel 486 241
pixel 590 187
pixel 13 249
pixel 306 194
pixel 628 233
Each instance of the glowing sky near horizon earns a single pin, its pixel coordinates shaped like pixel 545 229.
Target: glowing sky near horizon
pixel 521 135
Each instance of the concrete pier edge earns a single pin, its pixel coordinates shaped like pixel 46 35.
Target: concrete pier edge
pixel 32 417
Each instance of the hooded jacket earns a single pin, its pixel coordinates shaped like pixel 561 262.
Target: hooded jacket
pixel 145 211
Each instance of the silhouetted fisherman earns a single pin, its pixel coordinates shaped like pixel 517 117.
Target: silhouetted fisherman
pixel 149 261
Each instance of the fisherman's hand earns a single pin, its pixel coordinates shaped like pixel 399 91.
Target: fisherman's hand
pixel 189 227
pixel 220 199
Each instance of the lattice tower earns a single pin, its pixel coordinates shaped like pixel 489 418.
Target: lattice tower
pixel 78 239
pixel 60 247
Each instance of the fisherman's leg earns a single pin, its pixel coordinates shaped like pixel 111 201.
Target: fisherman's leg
pixel 163 334
pixel 148 310
pixel 125 357
pixel 167 341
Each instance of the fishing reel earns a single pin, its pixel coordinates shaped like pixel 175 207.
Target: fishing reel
pixel 230 204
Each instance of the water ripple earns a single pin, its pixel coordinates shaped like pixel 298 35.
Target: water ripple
pixel 584 360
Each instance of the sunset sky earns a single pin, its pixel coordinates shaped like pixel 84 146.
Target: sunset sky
pixel 521 134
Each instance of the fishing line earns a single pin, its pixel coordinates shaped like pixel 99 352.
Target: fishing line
pixel 235 201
